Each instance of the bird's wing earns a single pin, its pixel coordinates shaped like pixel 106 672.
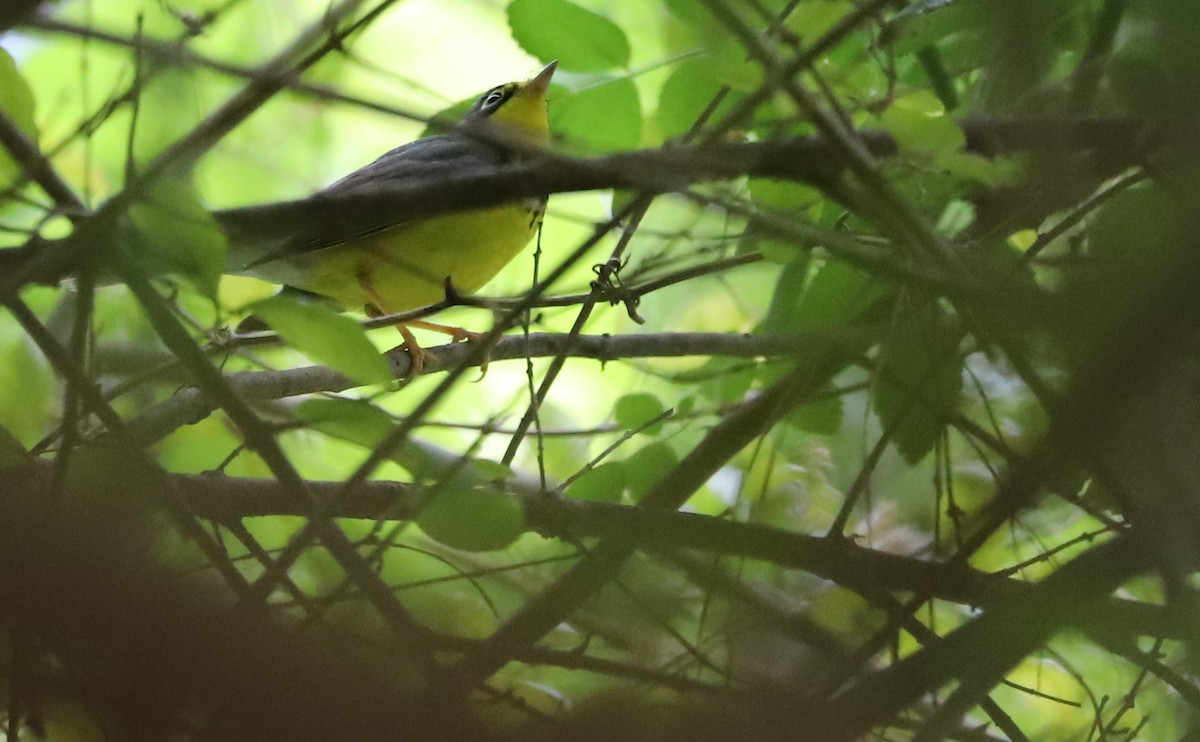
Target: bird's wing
pixel 420 160
pixel 259 235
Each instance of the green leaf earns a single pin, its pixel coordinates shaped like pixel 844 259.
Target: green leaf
pixel 780 252
pixel 695 15
pixel 919 380
pixel 823 417
pixel 837 295
pixel 622 199
pixel 955 218
pixel 325 336
pixel 926 22
pixel 491 471
pixel 23 367
pixel 605 117
pixel 782 195
pixel 579 39
pixel 921 133
pixel 346 419
pixel 366 425
pixel 992 172
pixel 179 235
pixel 812 19
pixel 724 54
pixel 472 519
pixel 447 118
pixel 604 483
pixel 686 94
pixel 16 100
pixel 635 410
pixel 789 292
pixel 726 380
pixel 647 467
pixel 733 67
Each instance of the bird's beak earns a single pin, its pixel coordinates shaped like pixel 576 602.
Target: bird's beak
pixel 541 81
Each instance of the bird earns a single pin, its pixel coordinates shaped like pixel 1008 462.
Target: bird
pixel 389 265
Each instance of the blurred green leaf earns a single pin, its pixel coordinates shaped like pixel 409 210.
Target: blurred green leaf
pixel 687 93
pixel 362 423
pixel 647 467
pixel 347 419
pixel 919 132
pixel 823 417
pixel 992 172
pixel 179 235
pixel 604 483
pixel 919 379
pixel 491 471
pixel 955 218
pixel 33 412
pixel 788 293
pixel 784 195
pixel 16 101
pixel 812 19
pixel 622 199
pixel 926 22
pixel 472 519
pixel 325 336
pixel 579 39
pixel 697 18
pixel 726 380
pixel 605 117
pixel 632 411
pixel 733 67
pixel 837 295
pixel 171 104
pixel 776 251
pixel 447 118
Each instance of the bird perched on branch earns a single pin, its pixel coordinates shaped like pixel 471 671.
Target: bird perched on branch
pixel 384 265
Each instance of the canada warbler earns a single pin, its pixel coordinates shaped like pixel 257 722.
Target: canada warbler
pixel 391 266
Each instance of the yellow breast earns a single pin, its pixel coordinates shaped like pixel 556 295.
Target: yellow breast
pixel 409 265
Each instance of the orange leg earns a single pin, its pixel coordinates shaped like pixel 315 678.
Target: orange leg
pixel 417 355
pixel 457 335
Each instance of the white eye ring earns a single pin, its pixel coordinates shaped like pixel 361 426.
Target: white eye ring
pixel 493 98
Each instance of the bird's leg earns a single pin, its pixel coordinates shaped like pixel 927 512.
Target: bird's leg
pixel 457 334
pixel 416 354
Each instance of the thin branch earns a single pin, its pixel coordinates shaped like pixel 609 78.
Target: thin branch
pixel 192 405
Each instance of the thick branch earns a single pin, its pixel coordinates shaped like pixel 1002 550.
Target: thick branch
pixel 858 568
pixel 803 159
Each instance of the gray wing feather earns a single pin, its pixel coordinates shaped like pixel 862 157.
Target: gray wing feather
pixel 417 161
pixel 260 235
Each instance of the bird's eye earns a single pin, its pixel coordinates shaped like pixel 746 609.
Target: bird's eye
pixel 493 98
